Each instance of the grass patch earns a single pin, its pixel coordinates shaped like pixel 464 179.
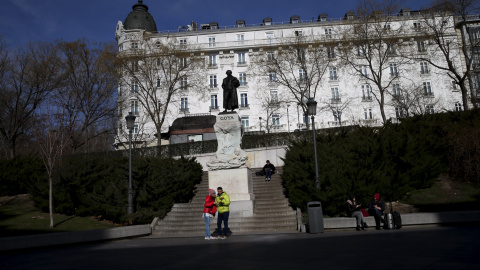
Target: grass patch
pixel 19 216
pixel 445 195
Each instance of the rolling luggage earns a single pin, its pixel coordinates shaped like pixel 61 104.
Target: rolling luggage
pixel 388 221
pixel 397 220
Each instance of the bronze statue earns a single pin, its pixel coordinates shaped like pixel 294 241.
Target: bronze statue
pixel 230 98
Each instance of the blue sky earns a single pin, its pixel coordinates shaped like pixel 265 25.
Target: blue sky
pixel 47 20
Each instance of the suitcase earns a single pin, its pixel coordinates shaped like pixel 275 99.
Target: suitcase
pixel 388 221
pixel 397 220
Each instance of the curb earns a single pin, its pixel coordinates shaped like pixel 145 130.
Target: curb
pixel 64 238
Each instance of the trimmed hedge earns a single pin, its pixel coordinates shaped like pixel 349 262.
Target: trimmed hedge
pixel 97 185
pixel 391 160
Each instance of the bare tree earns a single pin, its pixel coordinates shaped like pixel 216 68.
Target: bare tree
pixel 88 93
pixel 51 133
pixel 156 74
pixel 411 99
pixel 372 47
pixel 297 64
pixel 271 103
pixel 438 27
pixel 31 73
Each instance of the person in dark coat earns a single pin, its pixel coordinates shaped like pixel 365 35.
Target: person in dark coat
pixel 376 208
pixel 268 169
pixel 354 208
pixel 230 97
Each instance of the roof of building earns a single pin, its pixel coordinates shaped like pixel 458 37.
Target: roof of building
pixel 140 18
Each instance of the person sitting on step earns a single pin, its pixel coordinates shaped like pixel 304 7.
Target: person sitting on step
pixel 354 209
pixel 269 169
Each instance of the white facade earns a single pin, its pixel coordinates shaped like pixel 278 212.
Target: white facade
pixel 344 97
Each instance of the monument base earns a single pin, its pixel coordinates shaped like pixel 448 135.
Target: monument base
pixel 237 183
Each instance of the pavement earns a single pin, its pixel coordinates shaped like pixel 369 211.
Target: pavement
pixel 424 247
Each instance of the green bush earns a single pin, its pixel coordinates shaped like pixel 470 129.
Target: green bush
pixel 97 185
pixel 18 175
pixel 391 160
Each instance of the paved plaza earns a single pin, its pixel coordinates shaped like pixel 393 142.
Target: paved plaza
pixel 409 248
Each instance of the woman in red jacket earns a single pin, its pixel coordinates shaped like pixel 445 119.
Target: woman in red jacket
pixel 209 211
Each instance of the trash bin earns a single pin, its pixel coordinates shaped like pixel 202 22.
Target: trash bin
pixel 315 217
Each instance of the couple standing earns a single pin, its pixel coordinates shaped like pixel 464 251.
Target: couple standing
pixel 212 203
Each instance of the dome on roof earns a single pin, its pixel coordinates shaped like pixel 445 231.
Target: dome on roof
pixel 140 18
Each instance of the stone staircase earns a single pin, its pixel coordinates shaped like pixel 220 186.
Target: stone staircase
pixel 272 212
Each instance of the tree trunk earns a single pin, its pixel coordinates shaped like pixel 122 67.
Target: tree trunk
pixel 50 199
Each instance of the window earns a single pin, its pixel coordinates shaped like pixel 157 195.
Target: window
pixel 294 20
pixel 390 49
pixel 183 82
pixel 213 102
pixel 399 112
pixel 269 36
pixel 213 81
pixel 301 75
pixel 268 23
pixel 396 91
pixel 458 107
pixel 135 66
pixel 337 115
pixel 298 33
pixel 328 33
pixel 429 109
pixel 158 44
pixel 276 120
pixel 241 58
pixel 184 104
pixel 183 43
pixel 211 42
pixel 212 60
pixel 424 68
pixel 366 91
pixel 134 88
pixel 134 45
pixel 421 47
pixel 368 113
pixel 273 96
pixel 454 85
pixel 158 82
pixel 333 73
pixel 272 76
pixel 240 39
pixel 393 70
pixel 364 71
pixel 245 121
pixel 183 62
pixel 331 52
pixel 427 89
pixel 135 129
pixel 244 100
pixel 387 26
pixel 362 50
pixel 335 96
pixel 270 56
pixel 417 26
pixel 242 77
pixel 306 119
pixel 134 107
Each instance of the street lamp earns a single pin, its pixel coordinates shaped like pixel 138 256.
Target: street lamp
pixel 312 110
pixel 130 118
pixel 260 119
pixel 288 119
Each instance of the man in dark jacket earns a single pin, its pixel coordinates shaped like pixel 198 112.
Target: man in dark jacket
pixel 268 169
pixel 376 208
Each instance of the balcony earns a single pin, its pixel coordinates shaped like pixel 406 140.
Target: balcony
pixel 212 66
pixel 244 106
pixel 241 64
pixel 184 110
pixel 428 94
pixel 367 99
pixel 213 86
pixel 369 121
pixel 214 108
pixel 337 123
pixel 336 100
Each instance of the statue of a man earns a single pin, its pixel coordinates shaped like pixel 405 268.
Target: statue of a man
pixel 230 98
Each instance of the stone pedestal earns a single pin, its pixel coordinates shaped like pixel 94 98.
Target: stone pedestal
pixel 237 183
pixel 228 169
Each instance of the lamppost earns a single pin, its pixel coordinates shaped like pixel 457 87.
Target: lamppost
pixel 260 120
pixel 130 118
pixel 312 110
pixel 288 119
